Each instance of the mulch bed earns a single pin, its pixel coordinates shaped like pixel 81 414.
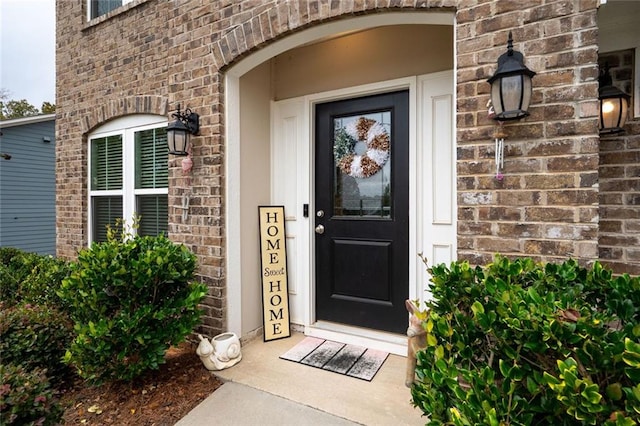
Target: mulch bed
pixel 160 397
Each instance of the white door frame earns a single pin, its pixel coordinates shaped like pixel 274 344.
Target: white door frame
pixel 432 223
pixel 389 342
pixel 233 128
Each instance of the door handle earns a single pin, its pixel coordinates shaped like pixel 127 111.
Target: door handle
pixel 319 229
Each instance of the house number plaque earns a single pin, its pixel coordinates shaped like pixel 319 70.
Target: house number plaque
pixel 273 255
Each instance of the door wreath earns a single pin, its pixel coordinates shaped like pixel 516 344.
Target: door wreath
pixel 374 135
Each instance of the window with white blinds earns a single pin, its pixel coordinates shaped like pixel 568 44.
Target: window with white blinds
pixel 151 172
pixel 151 158
pixel 107 210
pixel 106 163
pixel 129 176
pixel 153 213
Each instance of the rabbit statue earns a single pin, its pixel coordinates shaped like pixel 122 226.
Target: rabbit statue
pixel 417 339
pixel 222 352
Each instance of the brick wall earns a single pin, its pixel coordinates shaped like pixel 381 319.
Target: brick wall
pixel 619 236
pixel 147 57
pixel 103 71
pixel 547 204
pixel 152 54
pixel 619 232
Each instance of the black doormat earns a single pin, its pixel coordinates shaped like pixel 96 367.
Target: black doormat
pixel 350 360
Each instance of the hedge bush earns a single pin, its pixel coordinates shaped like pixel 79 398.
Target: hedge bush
pixel 36 337
pixel 12 272
pixel 31 278
pixel 130 298
pixel 26 398
pixel 524 343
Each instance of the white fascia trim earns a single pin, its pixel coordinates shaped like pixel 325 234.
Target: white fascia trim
pixel 26 120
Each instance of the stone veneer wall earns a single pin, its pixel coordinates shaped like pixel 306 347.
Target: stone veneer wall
pixel 152 54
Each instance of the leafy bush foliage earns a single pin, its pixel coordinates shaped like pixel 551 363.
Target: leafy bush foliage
pixel 31 278
pixel 522 343
pixel 130 299
pixel 26 397
pixel 35 337
pixel 34 331
pixel 12 272
pixel 40 287
pixel 8 253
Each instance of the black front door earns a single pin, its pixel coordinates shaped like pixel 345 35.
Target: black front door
pixel 362 211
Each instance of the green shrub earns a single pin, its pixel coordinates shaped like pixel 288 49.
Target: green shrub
pixel 7 254
pixel 36 336
pixel 30 278
pixel 130 299
pixel 26 397
pixel 12 272
pixel 522 343
pixel 41 285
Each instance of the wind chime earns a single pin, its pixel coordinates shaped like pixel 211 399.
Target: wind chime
pixel 187 165
pixel 498 134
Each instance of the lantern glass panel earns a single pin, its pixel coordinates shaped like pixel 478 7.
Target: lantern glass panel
pixel 511 92
pixel 511 96
pixel 613 113
pixel 496 98
pixel 177 140
pixel 527 90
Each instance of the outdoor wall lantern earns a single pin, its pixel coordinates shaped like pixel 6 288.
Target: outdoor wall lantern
pixel 511 85
pixel 614 104
pixel 187 123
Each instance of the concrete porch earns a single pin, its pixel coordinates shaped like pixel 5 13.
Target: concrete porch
pixel 383 401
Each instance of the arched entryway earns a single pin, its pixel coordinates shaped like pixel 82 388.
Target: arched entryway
pixel 270 102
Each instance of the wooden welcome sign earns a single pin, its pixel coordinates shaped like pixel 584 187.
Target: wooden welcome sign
pixel 273 255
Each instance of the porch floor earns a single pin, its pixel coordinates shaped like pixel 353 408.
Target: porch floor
pixel 383 401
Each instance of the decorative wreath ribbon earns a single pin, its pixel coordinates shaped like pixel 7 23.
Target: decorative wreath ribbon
pixel 378 143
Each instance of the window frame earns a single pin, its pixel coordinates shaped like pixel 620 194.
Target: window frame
pixel 90 4
pixel 127 127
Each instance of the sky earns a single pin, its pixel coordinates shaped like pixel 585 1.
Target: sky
pixel 27 50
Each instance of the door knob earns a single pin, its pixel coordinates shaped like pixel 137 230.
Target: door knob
pixel 319 229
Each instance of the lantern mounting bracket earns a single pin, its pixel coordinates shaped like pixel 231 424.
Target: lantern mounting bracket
pixel 190 119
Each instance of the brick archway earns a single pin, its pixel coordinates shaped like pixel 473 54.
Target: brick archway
pixel 234 59
pixel 287 18
pixel 158 105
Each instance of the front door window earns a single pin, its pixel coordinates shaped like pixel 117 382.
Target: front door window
pixel 362 151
